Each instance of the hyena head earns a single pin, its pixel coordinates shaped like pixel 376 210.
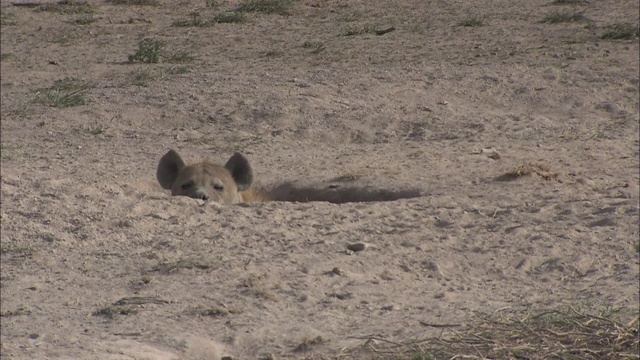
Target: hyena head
pixel 205 180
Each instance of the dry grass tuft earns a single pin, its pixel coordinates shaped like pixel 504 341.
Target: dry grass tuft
pixel 555 334
pixel 134 2
pixel 309 342
pixel 280 7
pixel 188 263
pixel 528 169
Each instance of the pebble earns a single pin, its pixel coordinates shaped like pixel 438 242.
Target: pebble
pixel 359 246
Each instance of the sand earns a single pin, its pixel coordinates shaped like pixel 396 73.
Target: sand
pixel 520 135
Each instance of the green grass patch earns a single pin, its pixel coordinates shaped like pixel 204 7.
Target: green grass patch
pixel 280 7
pixel 148 51
pixel 64 93
pixel 151 51
pixel 563 17
pixel 621 31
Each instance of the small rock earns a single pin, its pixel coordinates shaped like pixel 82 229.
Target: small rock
pixel 359 246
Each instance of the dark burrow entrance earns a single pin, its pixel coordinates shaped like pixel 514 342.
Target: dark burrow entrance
pixel 338 194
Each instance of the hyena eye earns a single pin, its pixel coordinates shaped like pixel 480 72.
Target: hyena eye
pixel 187 186
pixel 218 187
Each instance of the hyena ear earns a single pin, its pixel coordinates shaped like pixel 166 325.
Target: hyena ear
pixel 169 168
pixel 241 171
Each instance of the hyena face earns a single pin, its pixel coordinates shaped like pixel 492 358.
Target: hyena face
pixel 206 180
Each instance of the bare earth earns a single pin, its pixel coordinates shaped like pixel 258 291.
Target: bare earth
pixel 98 262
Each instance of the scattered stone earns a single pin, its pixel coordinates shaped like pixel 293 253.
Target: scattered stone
pixel 343 296
pixel 359 246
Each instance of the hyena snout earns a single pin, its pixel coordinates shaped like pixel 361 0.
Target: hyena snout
pixel 200 194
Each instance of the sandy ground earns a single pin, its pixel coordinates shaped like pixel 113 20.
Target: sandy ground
pixel 98 262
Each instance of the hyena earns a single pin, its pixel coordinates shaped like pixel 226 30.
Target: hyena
pixel 228 184
pixel 233 183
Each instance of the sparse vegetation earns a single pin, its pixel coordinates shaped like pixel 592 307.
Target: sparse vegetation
pixel 273 53
pixel 180 57
pixel 134 2
pixel 86 19
pixel 148 51
pixel 111 312
pixel 20 111
pixel 352 31
pixel 106 311
pixel 307 343
pixel 223 18
pixel 211 3
pixel 527 169
pixel 621 31
pixel 7 18
pixel 194 21
pixel 17 312
pixel 189 263
pixel 471 21
pixel 253 286
pixel 178 70
pixel 546 334
pixel 216 311
pixel 563 17
pixel 280 7
pixel 64 93
pixel 229 17
pixel 569 2
pixel 143 77
pixel 350 18
pixel 128 306
pixel 16 249
pixel 67 7
pixel 97 129
pixel 315 46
